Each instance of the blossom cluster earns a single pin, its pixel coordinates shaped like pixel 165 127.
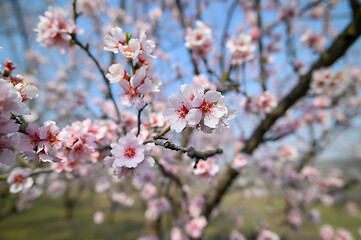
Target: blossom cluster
pixel 199 39
pixel 14 93
pixel 129 156
pixel 55 29
pixel 242 49
pixel 327 232
pixel 141 82
pixel 262 105
pixel 195 107
pixel 325 81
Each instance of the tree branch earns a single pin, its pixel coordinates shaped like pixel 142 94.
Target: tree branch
pixel 331 55
pixel 191 152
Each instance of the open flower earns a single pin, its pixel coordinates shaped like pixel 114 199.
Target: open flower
pixel 195 227
pixel 10 100
pixel 242 49
pixel 131 50
pixel 19 179
pixel 177 112
pixel 240 162
pixel 116 74
pixel 54 28
pixel 146 44
pixel 115 41
pixel 206 106
pixel 128 151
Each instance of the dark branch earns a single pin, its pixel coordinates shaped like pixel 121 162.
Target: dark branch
pixel 191 152
pixel 139 117
pixel 331 55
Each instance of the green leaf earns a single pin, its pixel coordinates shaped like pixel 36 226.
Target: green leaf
pixel 128 37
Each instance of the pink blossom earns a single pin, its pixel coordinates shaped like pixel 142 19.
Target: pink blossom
pixel 295 217
pixel 315 41
pixel 208 168
pixel 123 199
pixel 98 217
pixel 255 33
pixel 267 102
pixel 116 73
pixel 195 226
pixel 19 179
pixel 7 157
pixel 92 8
pixel 128 151
pixel 288 12
pixel 242 49
pixel 146 45
pixel 78 142
pixel 115 41
pixel 140 172
pixel 177 112
pixel 155 14
pixel 10 101
pixel 325 81
pixel 206 107
pixel 131 50
pixel 148 191
pixel 176 234
pixel 199 39
pixel 288 153
pixel 44 139
pixel 54 29
pixel 134 89
pixel 102 185
pixel 8 126
pixel 240 162
pixel 267 235
pixel 195 207
pixel 156 207
pixel 310 174
pixel 343 234
pixel 27 91
pixel 327 232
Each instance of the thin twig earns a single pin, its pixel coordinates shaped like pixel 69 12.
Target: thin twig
pixel 191 152
pixel 139 117
pixel 92 57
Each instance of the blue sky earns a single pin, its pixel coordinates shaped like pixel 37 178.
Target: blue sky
pixel 214 16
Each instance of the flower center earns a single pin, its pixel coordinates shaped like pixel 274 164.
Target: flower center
pixel 128 52
pixel 206 107
pixel 182 112
pixel 130 153
pixel 133 92
pixel 19 178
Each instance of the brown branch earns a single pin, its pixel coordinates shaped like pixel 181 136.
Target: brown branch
pixel 191 152
pixel 331 55
pixel 139 117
